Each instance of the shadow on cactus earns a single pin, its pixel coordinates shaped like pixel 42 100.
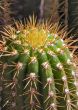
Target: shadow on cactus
pixel 37 69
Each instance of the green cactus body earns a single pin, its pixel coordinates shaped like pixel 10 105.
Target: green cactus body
pixel 37 70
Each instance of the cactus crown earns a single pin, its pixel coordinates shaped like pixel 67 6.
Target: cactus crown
pixel 33 35
pixel 37 69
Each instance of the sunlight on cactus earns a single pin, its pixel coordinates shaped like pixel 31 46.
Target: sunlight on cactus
pixel 37 68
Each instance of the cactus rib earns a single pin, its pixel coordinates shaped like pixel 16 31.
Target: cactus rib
pixel 37 69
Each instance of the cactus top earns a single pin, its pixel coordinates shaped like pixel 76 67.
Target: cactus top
pixel 31 35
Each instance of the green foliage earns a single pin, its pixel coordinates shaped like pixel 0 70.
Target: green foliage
pixel 37 69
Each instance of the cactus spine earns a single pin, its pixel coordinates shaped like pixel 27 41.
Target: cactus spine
pixel 37 69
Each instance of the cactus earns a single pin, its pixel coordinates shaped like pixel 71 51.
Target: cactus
pixel 51 10
pixel 5 12
pixel 73 17
pixel 37 69
pixel 67 10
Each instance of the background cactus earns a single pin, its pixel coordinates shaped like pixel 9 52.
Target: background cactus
pixel 73 16
pixel 51 10
pixel 63 11
pixel 68 15
pixel 5 18
pixel 21 9
pixel 37 71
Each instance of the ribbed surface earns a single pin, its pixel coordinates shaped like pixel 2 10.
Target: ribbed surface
pixel 41 78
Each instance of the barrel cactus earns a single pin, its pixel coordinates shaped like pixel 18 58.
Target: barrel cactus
pixel 37 69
